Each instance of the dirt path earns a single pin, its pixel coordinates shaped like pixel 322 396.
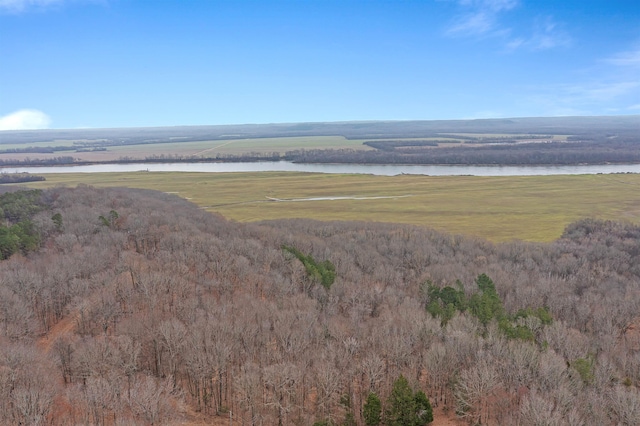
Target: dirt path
pixel 65 326
pixel 214 148
pixel 340 197
pixel 440 418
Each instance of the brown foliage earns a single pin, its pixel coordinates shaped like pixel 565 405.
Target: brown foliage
pixel 174 310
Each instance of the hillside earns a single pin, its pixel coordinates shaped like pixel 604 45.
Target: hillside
pixel 140 308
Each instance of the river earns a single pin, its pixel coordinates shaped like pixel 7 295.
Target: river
pixel 374 169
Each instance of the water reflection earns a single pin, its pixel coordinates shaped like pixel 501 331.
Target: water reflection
pixel 374 169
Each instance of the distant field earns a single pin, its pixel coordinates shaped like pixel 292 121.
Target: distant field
pixel 140 148
pixel 198 148
pixel 509 135
pixel 47 144
pixel 242 146
pixel 533 208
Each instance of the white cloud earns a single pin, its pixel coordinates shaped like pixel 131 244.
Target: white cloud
pixel 546 34
pixel 488 18
pixel 21 6
pixel 490 5
pixel 476 23
pixel 16 6
pixel 584 98
pixel 25 119
pixel 630 58
pixel 479 17
pixel 613 86
pixel 607 91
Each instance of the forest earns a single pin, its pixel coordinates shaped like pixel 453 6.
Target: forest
pixel 135 307
pixel 595 150
pixel 13 178
pixel 504 152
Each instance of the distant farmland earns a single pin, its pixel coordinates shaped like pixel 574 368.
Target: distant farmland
pixel 556 140
pixel 208 148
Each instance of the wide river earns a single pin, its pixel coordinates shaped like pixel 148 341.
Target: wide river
pixel 373 169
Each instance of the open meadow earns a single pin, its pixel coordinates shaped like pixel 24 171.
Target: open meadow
pixel 532 208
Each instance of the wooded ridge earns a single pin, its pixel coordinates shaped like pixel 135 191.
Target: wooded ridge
pixel 136 307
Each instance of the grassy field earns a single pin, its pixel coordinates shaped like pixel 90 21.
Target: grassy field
pixel 510 135
pixel 241 146
pixel 46 144
pixel 533 208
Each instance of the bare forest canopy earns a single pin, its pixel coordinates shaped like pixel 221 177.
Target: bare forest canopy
pixel 137 307
pixel 595 140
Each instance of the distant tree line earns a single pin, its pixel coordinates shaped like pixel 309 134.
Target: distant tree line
pixel 555 153
pixel 585 148
pixel 19 178
pixel 35 149
pixel 390 145
pixel 612 125
pixel 56 161
pixel 394 144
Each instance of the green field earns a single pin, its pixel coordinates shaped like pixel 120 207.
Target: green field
pixel 533 208
pixel 509 135
pixel 46 144
pixel 244 146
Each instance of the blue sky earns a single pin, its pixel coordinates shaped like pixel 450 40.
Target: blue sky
pixel 125 63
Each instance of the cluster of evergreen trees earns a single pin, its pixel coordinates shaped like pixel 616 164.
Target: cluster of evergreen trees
pixel 404 407
pixel 486 306
pixel 18 232
pixel 323 272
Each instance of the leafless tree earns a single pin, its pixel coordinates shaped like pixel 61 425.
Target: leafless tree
pixel 151 399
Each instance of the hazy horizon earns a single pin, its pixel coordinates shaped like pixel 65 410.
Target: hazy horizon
pixel 337 122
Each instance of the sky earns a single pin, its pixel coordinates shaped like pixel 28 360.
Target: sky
pixel 135 63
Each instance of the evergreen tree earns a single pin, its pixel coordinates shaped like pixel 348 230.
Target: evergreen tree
pixel 406 408
pixel 57 220
pixel 424 410
pixel 372 410
pixel 486 305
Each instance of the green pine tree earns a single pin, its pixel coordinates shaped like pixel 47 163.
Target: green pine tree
pixel 401 406
pixel 372 410
pixel 424 411
pixel 406 408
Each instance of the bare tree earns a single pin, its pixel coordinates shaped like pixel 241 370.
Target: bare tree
pixel 474 391
pixel 535 410
pixel 625 403
pixel 151 399
pixel 281 382
pixel 249 388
